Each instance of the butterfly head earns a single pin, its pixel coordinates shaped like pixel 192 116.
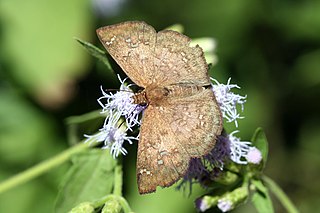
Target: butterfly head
pixel 140 98
pixel 150 95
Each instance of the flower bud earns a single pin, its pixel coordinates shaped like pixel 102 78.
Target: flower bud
pixel 254 156
pixel 230 200
pixel 85 207
pixel 111 206
pixel 206 202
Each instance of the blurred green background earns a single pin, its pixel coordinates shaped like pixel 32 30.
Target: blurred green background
pixel 270 48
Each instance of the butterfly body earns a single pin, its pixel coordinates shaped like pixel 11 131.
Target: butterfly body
pixel 182 118
pixel 155 95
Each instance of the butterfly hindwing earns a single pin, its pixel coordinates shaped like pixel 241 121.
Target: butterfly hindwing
pixel 173 132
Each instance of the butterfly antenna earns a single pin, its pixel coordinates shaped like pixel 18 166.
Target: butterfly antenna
pixel 117 90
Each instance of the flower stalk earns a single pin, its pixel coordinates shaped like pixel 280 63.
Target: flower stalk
pixel 42 167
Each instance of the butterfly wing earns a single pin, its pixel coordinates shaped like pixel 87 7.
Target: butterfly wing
pixel 131 45
pixel 177 129
pixel 175 61
pixel 156 59
pixel 172 132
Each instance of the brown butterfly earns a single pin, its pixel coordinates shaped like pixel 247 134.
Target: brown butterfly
pixel 182 118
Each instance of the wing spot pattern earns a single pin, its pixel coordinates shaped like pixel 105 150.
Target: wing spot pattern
pixel 128 40
pixel 160 162
pixel 142 171
pixel 163 153
pixel 134 45
pixel 111 40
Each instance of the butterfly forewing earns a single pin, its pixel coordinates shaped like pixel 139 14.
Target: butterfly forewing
pixel 151 58
pixel 176 62
pixel 131 45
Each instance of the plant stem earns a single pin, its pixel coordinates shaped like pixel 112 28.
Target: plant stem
pixel 124 204
pixel 42 167
pixel 279 193
pixel 85 117
pixel 117 188
pixel 117 192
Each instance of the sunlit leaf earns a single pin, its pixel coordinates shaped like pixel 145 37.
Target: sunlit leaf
pixel 90 177
pixel 96 52
pixel 261 199
pixel 262 203
pixel 260 141
pixel 259 186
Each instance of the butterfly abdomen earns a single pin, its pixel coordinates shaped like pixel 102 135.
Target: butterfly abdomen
pixel 184 90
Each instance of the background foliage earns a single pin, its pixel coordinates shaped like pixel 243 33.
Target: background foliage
pixel 270 48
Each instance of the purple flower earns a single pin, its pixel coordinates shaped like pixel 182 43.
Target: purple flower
pixel 208 167
pixel 220 153
pixel 201 204
pixel 204 169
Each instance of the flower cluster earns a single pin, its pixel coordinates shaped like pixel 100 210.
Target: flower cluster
pixel 115 107
pixel 118 108
pixel 122 115
pixel 210 168
pixel 241 152
pixel 226 202
pixel 227 147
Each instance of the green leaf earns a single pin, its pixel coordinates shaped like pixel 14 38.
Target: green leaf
pixel 96 52
pixel 260 141
pixel 262 202
pixel 259 186
pixel 90 178
pixel 261 198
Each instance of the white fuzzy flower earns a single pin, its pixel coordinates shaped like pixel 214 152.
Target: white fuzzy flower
pixel 120 104
pixel 238 149
pixel 113 134
pixel 228 100
pixel 254 155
